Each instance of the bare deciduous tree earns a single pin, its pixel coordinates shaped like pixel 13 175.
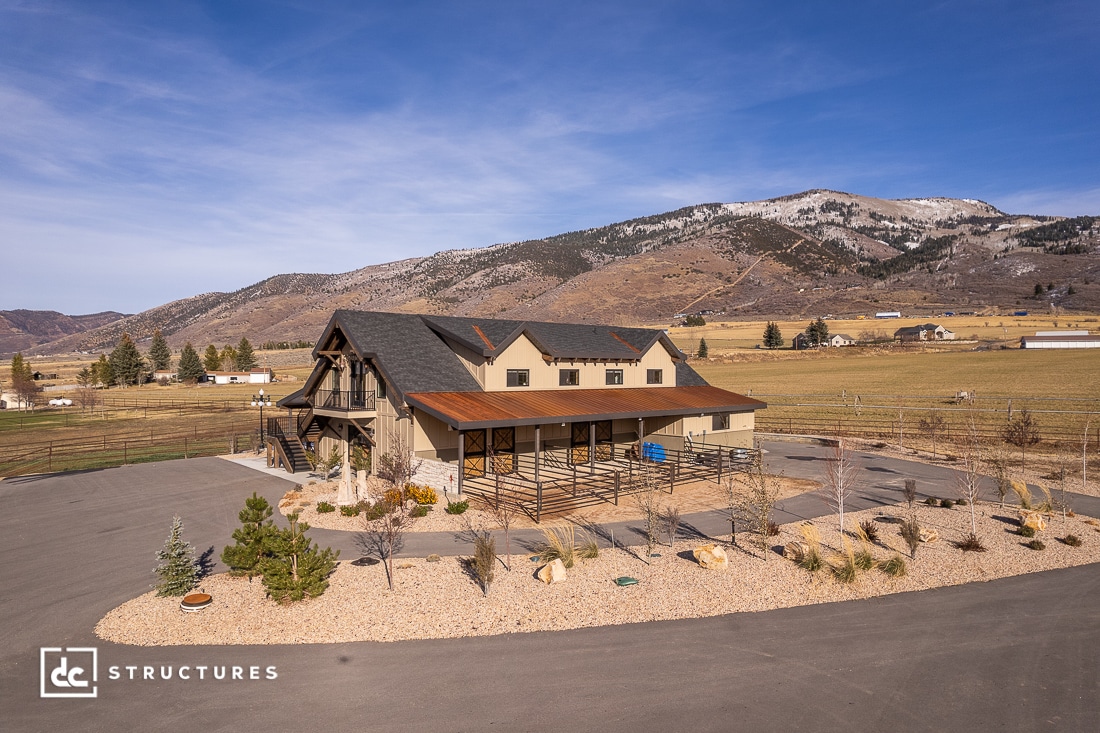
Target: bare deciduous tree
pixel 670 519
pixel 386 531
pixel 933 426
pixel 841 478
pixel 647 499
pixel 757 494
pixel 505 506
pixel 968 479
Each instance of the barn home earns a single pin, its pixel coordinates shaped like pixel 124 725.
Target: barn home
pixel 477 398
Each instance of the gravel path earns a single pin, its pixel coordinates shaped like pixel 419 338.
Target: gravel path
pixel 440 599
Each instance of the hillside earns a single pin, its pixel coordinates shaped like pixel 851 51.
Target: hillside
pixel 23 330
pixel 797 256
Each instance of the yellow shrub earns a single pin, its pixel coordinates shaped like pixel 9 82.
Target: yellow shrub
pixel 421 494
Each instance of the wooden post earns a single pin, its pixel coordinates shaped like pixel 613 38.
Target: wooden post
pixel 617 488
pixel 574 480
pixel 461 459
pixel 538 448
pixel 671 476
pixel 719 464
pixel 591 448
pixel 538 502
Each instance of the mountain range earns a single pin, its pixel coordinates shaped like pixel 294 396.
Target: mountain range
pixel 814 253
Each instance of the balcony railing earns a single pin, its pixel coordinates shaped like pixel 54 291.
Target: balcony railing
pixel 330 399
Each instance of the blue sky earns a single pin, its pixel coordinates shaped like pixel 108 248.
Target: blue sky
pixel 153 151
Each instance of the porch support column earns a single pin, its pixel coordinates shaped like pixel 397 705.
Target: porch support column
pixel 461 458
pixel 344 495
pixel 591 447
pixel 538 450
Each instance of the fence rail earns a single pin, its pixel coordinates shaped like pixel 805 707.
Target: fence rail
pixel 108 451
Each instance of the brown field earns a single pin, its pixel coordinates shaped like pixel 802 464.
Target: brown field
pixel 729 337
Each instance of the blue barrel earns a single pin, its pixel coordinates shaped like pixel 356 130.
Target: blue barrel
pixel 654 452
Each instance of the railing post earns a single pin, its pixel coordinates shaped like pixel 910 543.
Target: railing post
pixel 538 502
pixel 617 488
pixel 720 464
pixel 574 480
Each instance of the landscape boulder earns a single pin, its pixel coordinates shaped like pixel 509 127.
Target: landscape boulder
pixel 1033 520
pixel 552 572
pixel 711 557
pixel 927 534
pixel 795 551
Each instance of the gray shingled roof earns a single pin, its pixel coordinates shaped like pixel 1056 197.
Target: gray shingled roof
pixel 410 351
pixel 558 340
pixel 410 355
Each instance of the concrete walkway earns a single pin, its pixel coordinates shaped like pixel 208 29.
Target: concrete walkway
pixel 880 483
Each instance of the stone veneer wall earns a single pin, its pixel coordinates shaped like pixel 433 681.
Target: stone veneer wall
pixel 437 474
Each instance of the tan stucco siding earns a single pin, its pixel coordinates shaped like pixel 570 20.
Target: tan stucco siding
pixel 522 354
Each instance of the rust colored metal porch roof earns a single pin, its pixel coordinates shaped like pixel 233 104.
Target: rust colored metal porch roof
pixel 475 410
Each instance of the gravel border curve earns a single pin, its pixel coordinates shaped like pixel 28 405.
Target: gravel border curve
pixel 434 600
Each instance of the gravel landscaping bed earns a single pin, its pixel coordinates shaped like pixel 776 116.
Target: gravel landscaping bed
pixel 440 599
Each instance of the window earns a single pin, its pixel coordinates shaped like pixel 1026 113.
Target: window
pixel 380 386
pixel 519 378
pixel 720 422
pixel 614 376
pixel 569 377
pixel 654 376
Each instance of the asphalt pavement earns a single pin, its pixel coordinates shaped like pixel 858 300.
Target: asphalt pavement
pixel 1013 654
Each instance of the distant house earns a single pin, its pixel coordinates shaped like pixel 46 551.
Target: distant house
pixel 1061 340
pixel 167 374
pixel 924 332
pixel 256 376
pixel 840 339
pixel 802 341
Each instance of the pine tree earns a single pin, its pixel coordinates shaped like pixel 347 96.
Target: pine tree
pixel 212 359
pixel 228 358
pixel 126 361
pixel 246 359
pixel 190 370
pixel 773 337
pixel 22 380
pixel 102 371
pixel 702 351
pixel 178 570
pixel 160 356
pixel 817 333
pixel 253 538
pixel 298 568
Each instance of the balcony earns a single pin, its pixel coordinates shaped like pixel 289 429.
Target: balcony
pixel 342 403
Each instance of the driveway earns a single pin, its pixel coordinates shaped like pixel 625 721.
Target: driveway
pixel 1015 654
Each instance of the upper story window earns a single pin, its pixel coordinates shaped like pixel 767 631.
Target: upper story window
pixel 613 376
pixel 654 376
pixel 519 378
pixel 569 377
pixel 379 386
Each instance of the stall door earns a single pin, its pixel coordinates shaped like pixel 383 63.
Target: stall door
pixel 504 450
pixel 473 460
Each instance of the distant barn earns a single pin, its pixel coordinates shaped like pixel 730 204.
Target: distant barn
pixel 1061 340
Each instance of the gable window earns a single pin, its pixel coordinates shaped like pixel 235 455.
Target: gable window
pixel 613 376
pixel 379 386
pixel 569 377
pixel 519 378
pixel 654 376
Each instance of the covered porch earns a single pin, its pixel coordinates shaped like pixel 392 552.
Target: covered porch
pixel 547 451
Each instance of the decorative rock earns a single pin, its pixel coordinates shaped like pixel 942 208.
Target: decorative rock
pixel 434 558
pixel 1033 520
pixel 711 557
pixel 552 572
pixel 928 534
pixel 795 551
